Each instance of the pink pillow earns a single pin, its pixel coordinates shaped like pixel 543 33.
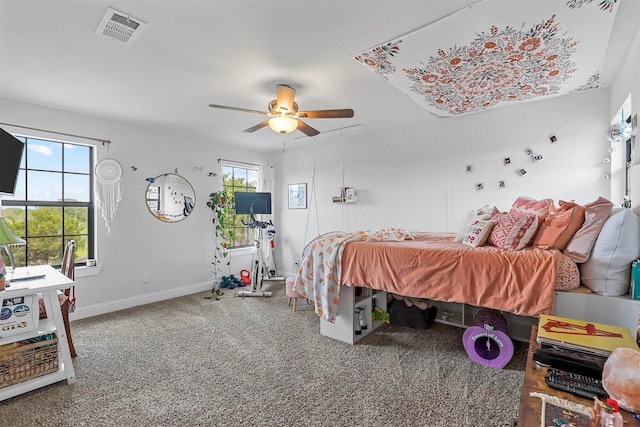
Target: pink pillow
pixel 513 232
pixel 595 215
pixel 560 226
pixel 528 206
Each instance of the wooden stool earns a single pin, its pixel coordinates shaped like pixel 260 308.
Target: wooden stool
pixel 293 295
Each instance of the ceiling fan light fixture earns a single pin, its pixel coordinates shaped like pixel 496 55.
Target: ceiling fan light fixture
pixel 284 116
pixel 283 124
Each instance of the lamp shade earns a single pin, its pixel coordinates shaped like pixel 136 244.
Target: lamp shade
pixel 283 124
pixel 7 236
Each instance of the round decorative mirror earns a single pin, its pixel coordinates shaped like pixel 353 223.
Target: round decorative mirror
pixel 170 197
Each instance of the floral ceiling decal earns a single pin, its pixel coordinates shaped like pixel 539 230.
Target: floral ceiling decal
pixel 606 5
pixel 477 58
pixel 500 65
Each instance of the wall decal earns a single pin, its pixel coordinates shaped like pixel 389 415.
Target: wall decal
pixel 501 53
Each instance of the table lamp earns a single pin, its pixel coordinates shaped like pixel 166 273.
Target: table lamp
pixel 7 239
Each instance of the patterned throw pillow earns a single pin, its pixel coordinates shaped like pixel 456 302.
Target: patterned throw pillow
pixel 478 233
pixel 513 232
pixel 528 206
pixel 568 276
pixel 484 212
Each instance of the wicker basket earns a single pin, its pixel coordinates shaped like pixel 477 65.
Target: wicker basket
pixel 24 362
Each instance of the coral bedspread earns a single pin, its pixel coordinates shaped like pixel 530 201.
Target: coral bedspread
pixel 433 266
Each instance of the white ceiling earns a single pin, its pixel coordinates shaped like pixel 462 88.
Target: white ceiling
pixel 196 52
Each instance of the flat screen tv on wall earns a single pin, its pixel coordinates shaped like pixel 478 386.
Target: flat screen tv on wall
pixel 11 150
pixel 253 203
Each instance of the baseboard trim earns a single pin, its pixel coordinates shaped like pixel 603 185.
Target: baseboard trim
pixel 121 304
pixel 285 274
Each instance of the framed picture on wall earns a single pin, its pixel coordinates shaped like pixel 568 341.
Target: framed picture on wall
pixel 298 196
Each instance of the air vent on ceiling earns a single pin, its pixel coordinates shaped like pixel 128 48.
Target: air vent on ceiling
pixel 118 26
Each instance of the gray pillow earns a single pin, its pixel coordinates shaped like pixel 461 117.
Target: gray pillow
pixel 608 270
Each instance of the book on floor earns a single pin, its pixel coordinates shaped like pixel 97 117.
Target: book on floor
pixel 581 335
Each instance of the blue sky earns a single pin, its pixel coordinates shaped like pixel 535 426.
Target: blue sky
pixel 46 182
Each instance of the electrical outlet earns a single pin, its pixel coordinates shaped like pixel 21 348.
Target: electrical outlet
pixel 145 278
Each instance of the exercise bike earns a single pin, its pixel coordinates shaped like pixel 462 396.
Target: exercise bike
pixel 261 268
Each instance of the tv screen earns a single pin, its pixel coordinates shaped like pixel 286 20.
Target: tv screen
pixel 253 203
pixel 11 150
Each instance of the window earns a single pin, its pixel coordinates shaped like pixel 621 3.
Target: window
pixel 53 202
pixel 235 179
pixel 621 150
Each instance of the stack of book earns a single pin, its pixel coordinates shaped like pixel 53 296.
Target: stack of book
pixel 578 346
pixel 583 336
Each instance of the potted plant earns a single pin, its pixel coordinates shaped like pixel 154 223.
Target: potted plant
pixel 221 218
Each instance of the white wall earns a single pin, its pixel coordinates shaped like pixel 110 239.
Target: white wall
pixel 177 256
pixel 417 179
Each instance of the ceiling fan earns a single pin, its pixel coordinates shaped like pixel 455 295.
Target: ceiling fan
pixel 284 116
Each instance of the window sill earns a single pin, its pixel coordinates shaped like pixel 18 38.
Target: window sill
pixel 88 271
pixel 249 250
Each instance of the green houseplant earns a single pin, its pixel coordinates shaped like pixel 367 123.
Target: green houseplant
pixel 218 203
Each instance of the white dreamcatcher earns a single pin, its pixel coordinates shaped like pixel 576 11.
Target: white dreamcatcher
pixel 108 188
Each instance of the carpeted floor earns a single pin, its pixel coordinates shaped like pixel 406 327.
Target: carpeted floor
pixel 193 361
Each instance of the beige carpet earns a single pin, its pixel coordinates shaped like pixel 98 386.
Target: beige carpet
pixel 192 361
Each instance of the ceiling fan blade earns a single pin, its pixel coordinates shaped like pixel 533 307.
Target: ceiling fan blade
pixel 256 127
pixel 285 97
pixel 306 129
pixel 244 110
pixel 327 114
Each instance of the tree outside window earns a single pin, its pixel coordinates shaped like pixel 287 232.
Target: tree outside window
pixel 239 179
pixel 53 202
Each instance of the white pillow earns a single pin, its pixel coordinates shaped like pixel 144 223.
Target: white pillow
pixel 608 270
pixel 484 212
pixel 478 233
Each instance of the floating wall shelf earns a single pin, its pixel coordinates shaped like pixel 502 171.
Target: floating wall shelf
pixel 347 195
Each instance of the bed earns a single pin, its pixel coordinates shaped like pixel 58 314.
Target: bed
pixel 522 277
pixel 434 266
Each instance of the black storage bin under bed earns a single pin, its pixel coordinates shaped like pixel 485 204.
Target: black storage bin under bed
pixel 414 317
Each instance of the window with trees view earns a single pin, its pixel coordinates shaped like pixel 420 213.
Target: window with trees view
pixel 237 179
pixel 53 202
